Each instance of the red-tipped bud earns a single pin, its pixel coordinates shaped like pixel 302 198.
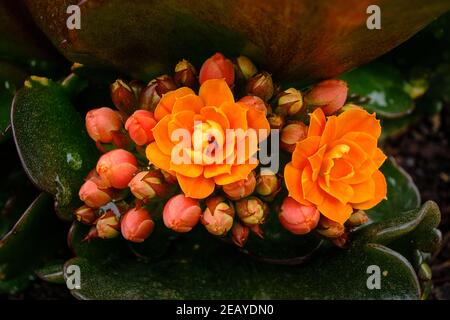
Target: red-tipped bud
pixel 147 185
pixel 261 85
pixel 93 196
pixel 185 74
pixel 217 67
pixel 239 234
pixel 123 97
pixel 268 185
pixel 168 177
pixel 164 84
pixel 218 216
pixel 256 229
pixel 290 102
pixel 276 121
pixel 181 213
pixel 136 225
pixel 297 218
pixel 291 134
pixel 357 218
pixel 329 228
pixel 254 102
pixel 140 126
pixel 85 215
pixel 245 68
pixel 240 189
pixel 117 167
pixel 252 211
pixel 330 95
pixel 149 97
pixel 101 123
pixel 108 226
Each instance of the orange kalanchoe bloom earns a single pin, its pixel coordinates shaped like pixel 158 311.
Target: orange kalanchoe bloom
pixel 336 167
pixel 207 118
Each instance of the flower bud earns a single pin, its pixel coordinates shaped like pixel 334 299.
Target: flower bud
pixel 164 84
pixel 108 226
pixel 239 234
pixel 185 74
pixel 256 229
pixel 329 228
pixel 356 219
pixel 218 216
pixel 245 68
pixel 169 178
pixel 101 123
pixel 123 97
pixel 149 98
pixel 340 241
pixel 136 86
pixel 267 185
pixel 254 102
pixel 252 211
pixel 181 213
pixel 117 167
pixel 93 196
pixel 136 225
pixel 261 85
pixel 85 215
pixel 240 189
pixel 297 218
pixel 330 95
pixel 217 67
pixel 147 185
pixel 290 102
pixel 276 121
pixel 140 125
pixel 291 134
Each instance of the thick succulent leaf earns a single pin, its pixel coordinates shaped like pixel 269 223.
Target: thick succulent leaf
pixel 296 40
pixel 380 88
pixel 52 272
pixel 51 139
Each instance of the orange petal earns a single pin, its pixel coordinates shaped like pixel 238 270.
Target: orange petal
pixel 358 120
pixel 238 172
pixel 334 210
pixel 257 120
pixel 167 101
pixel 329 133
pixel 316 123
pixel 380 192
pixel 189 102
pixel 367 142
pixel 363 191
pixel 236 114
pixel 292 178
pixel 311 190
pixel 379 157
pixel 337 189
pixel 189 170
pixel 197 188
pixel 217 115
pixel 303 150
pixel 316 162
pixel 161 135
pixel 341 169
pixel 362 173
pixel 214 92
pixel 157 157
pixel 214 170
pixel 181 120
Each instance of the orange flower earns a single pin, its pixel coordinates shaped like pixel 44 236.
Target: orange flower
pixel 212 155
pixel 336 167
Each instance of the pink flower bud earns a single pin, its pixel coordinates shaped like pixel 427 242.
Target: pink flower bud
pixel 240 189
pixel 268 185
pixel 290 102
pixel 93 196
pixel 108 226
pixel 276 121
pixel 291 134
pixel 218 216
pixel 239 234
pixel 329 228
pixel 217 67
pixel 254 102
pixel 147 185
pixel 117 167
pixel 101 123
pixel 85 215
pixel 297 218
pixel 252 211
pixel 136 225
pixel 181 213
pixel 330 95
pixel 140 126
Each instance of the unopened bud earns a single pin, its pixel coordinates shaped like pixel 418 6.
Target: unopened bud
pixel 239 234
pixel 254 102
pixel 340 241
pixel 164 84
pixel 252 211
pixel 149 98
pixel 291 134
pixel 147 185
pixel 240 189
pixel 218 215
pixel 140 125
pixel 123 97
pixel 330 95
pixel 256 229
pixel 357 218
pixel 108 226
pixel 136 86
pixel 298 218
pixel 245 68
pixel 181 213
pixel 185 75
pixel 117 167
pixel 85 215
pixel 276 121
pixel 94 196
pixel 290 102
pixel 268 185
pixel 101 124
pixel 217 67
pixel 261 85
pixel 136 225
pixel 329 228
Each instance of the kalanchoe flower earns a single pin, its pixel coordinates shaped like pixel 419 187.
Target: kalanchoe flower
pixel 101 124
pixel 254 102
pixel 93 196
pixel 261 85
pixel 85 215
pixel 357 218
pixel 267 185
pixel 149 97
pixel 136 225
pixel 123 97
pixel 245 68
pixel 181 213
pixel 108 226
pixel 147 185
pixel 252 211
pixel 217 67
pixel 117 167
pixel 297 218
pixel 240 189
pixel 276 121
pixel 329 228
pixel 290 102
pixel 218 215
pixel 239 234
pixel 164 84
pixel 329 95
pixel 185 75
pixel 140 126
pixel 291 134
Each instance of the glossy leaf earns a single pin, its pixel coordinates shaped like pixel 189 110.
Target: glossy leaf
pixel 295 40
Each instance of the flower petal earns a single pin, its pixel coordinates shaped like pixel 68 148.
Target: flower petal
pixel 363 191
pixel 335 210
pixel 214 92
pixel 237 115
pixel 304 149
pixel 238 172
pixel 188 102
pixel 292 178
pixel 337 189
pixel 358 120
pixel 214 170
pixel 197 188
pixel 217 115
pixel 257 120
pixel 316 123
pixel 161 135
pixel 167 101
pixel 190 170
pixel 157 157
pixel 380 192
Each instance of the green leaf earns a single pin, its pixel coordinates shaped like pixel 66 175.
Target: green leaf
pixel 51 139
pixel 300 40
pixel 382 86
pixel 52 272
